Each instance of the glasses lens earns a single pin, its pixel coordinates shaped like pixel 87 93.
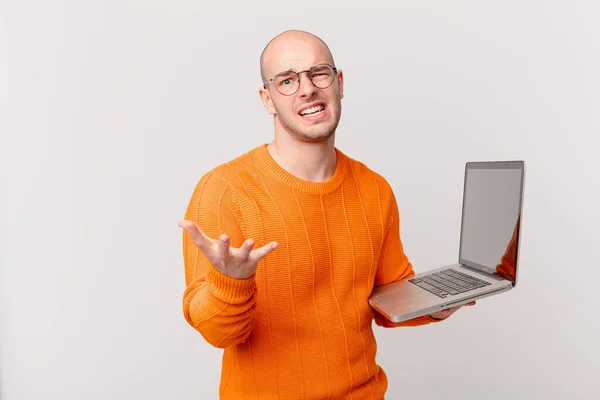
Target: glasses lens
pixel 321 76
pixel 287 82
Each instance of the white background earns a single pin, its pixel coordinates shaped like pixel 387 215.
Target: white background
pixel 112 110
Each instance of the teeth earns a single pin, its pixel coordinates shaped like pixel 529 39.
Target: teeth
pixel 312 110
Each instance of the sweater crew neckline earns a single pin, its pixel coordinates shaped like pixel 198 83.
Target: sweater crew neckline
pixel 315 188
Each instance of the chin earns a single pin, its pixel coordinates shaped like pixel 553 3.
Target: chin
pixel 316 137
pixel 317 133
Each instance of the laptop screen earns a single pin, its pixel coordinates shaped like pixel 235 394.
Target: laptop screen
pixel 491 217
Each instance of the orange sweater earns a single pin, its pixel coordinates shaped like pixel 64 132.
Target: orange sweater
pixel 301 326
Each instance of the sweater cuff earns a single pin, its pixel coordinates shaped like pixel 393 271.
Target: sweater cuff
pixel 229 289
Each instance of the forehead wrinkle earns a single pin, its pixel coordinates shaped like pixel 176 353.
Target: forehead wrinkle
pixel 298 63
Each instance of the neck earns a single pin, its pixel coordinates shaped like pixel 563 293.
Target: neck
pixel 313 162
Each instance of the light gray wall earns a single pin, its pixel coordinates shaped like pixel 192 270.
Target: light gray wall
pixel 112 110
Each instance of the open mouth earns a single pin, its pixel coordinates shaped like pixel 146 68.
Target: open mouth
pixel 315 110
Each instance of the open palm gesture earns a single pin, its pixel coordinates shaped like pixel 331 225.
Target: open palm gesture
pixel 237 263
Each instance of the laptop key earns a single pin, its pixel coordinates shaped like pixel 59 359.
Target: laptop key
pixel 441 285
pixel 431 289
pixel 437 284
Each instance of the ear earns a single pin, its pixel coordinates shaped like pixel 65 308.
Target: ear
pixel 265 97
pixel 340 79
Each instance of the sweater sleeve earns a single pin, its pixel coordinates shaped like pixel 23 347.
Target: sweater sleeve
pixel 394 266
pixel 220 308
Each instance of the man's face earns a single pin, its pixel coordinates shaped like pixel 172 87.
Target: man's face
pixel 311 114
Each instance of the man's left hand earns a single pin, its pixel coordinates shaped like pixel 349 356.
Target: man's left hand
pixel 449 311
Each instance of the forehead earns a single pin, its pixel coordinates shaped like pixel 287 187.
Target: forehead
pixel 296 54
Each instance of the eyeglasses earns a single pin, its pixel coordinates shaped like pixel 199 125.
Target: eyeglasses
pixel 288 82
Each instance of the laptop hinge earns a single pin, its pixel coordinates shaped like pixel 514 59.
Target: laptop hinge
pixel 484 273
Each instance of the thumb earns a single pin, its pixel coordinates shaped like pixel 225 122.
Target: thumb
pixel 189 226
pixel 195 232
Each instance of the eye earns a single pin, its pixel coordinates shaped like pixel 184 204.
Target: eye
pixel 285 80
pixel 319 76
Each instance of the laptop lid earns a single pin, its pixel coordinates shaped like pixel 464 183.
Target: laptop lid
pixel 491 217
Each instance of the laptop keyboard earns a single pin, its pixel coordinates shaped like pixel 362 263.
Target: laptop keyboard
pixel 448 282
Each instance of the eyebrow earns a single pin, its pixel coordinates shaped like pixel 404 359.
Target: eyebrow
pixel 287 71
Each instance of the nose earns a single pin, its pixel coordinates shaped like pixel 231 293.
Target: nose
pixel 306 89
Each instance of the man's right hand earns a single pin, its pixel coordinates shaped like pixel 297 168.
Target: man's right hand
pixel 237 263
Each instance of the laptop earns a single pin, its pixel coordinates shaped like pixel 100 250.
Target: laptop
pixel 488 251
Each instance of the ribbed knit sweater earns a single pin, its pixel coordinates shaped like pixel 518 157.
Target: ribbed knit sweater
pixel 301 326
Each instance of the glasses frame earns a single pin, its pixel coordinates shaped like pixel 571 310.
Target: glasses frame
pixel 335 70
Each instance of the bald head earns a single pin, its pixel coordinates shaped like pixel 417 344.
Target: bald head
pixel 290 46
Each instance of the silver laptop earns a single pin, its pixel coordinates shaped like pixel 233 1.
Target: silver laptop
pixel 488 251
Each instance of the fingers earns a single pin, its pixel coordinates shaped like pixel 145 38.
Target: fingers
pixel 262 252
pixel 223 247
pixel 449 311
pixel 245 249
pixel 454 309
pixel 195 232
pixel 441 314
pixel 244 253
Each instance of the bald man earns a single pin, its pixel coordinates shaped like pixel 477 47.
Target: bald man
pixel 284 244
